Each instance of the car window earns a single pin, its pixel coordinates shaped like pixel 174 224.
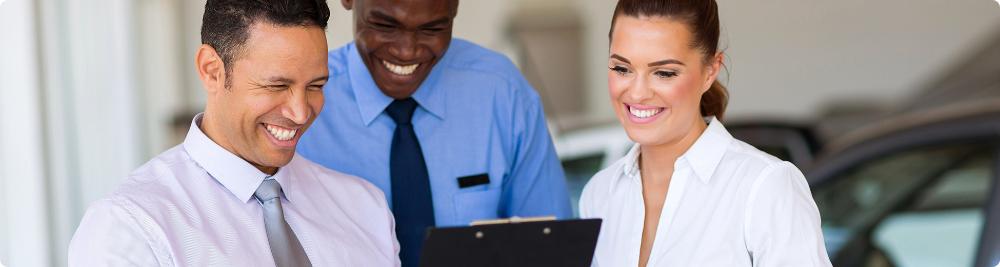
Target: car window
pixel 941 227
pixel 861 195
pixel 578 172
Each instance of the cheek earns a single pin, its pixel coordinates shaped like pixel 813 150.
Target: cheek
pixel 684 93
pixel 258 105
pixel 617 85
pixel 316 102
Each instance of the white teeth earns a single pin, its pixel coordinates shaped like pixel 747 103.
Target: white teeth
pixel 401 70
pixel 280 133
pixel 644 113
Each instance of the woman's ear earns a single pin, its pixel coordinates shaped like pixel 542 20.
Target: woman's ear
pixel 211 69
pixel 348 4
pixel 713 69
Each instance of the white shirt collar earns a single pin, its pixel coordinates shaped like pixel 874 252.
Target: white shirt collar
pixel 236 174
pixel 703 156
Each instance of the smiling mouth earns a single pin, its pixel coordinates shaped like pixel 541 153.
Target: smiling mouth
pixel 643 113
pixel 280 133
pixel 400 69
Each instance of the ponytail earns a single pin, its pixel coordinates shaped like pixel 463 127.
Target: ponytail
pixel 714 101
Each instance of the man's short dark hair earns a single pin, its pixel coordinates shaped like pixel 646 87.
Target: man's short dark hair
pixel 226 24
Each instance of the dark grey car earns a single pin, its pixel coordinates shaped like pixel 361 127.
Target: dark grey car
pixel 918 190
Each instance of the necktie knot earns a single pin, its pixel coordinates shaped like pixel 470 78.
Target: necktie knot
pixel 401 110
pixel 268 190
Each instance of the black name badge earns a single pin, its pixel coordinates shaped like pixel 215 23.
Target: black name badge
pixel 473 180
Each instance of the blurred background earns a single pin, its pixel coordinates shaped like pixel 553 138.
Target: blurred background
pixel 885 105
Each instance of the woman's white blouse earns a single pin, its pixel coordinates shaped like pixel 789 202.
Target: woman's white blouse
pixel 729 204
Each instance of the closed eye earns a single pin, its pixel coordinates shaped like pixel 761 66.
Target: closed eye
pixel 432 30
pixel 620 70
pixel 276 87
pixel 665 74
pixel 315 87
pixel 381 26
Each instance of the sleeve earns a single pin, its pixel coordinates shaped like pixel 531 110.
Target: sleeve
pixel 782 226
pixel 584 203
pixel 396 261
pixel 536 185
pixel 109 236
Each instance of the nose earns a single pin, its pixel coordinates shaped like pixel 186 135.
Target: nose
pixel 297 108
pixel 639 90
pixel 405 46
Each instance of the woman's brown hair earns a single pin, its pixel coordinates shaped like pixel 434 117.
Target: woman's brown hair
pixel 702 18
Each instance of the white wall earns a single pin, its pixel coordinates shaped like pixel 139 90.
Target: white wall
pixel 816 52
pixel 24 239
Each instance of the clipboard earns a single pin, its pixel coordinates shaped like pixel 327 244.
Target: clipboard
pixel 521 243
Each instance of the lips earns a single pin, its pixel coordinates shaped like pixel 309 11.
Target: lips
pixel 403 70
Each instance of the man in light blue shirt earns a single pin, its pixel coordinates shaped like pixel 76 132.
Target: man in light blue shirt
pixel 479 124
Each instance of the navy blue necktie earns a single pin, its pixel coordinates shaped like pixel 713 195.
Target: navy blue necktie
pixel 411 189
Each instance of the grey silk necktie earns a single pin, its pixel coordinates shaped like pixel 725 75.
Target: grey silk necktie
pixel 285 247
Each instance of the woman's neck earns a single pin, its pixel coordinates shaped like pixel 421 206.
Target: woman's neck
pixel 663 156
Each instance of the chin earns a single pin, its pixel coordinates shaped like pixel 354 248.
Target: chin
pixel 642 137
pixel 278 159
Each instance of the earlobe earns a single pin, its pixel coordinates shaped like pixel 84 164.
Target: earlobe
pixel 210 68
pixel 347 4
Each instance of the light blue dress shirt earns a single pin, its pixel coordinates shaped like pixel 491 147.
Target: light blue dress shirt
pixel 476 115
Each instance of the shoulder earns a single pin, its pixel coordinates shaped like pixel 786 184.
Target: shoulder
pixel 470 56
pixel 337 59
pixel 343 183
pixel 472 59
pixel 154 178
pixel 770 175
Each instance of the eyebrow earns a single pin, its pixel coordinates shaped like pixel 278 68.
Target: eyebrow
pixel 377 14
pixel 654 64
pixel 320 79
pixel 437 22
pixel 383 16
pixel 285 80
pixel 279 79
pixel 616 56
pixel 665 62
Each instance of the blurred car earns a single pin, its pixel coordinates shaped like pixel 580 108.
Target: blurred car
pixel 918 190
pixel 586 151
pixel 791 141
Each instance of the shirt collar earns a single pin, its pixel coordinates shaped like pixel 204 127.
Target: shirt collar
pixel 371 101
pixel 706 153
pixel 289 177
pixel 234 173
pixel 703 156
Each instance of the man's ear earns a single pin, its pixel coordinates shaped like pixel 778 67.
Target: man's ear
pixel 211 69
pixel 348 4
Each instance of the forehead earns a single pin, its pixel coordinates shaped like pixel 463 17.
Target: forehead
pixel 291 50
pixel 407 10
pixel 652 36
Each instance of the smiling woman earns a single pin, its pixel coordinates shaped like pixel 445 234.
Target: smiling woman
pixel 721 198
